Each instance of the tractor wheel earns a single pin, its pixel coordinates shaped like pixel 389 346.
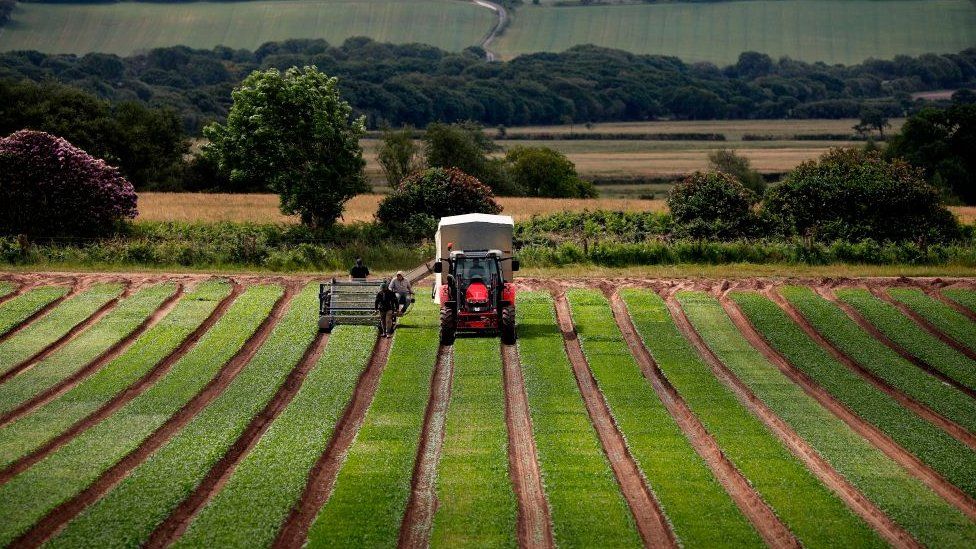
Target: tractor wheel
pixel 508 326
pixel 326 323
pixel 448 326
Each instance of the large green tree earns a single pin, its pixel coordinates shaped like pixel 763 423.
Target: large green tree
pixel 398 155
pixel 293 133
pixel 541 171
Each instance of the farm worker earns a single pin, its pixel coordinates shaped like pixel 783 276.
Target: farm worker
pixel 401 286
pixel 359 270
pixel 386 304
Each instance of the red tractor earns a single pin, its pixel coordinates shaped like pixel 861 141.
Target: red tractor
pixel 474 296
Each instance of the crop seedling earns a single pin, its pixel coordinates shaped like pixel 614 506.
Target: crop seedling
pixel 945 318
pixel 20 308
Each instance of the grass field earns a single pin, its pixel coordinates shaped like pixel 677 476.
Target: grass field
pixel 129 27
pixel 833 31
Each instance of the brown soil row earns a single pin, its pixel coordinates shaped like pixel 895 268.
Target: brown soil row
pixel 648 516
pixel 125 396
pixel 22 289
pixel 959 307
pixel 19 289
pixel 952 428
pixel 419 515
pixel 534 522
pixel 58 517
pixel 178 521
pixel 322 478
pixel 101 360
pixel 875 436
pixel 926 325
pixel 872 515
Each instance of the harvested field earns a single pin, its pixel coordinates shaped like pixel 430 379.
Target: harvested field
pixel 195 411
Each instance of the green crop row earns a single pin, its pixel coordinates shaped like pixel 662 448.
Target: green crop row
pixel 76 354
pixel 587 507
pixel 966 298
pixel 905 499
pixel 54 325
pixel 33 493
pixel 945 318
pixel 879 359
pixel 373 487
pixel 906 333
pixel 20 308
pixel 6 288
pixel 809 509
pixel 30 432
pixel 946 455
pixel 476 504
pixel 700 511
pixel 266 484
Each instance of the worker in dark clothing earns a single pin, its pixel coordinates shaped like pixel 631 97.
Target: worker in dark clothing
pixel 359 270
pixel 386 304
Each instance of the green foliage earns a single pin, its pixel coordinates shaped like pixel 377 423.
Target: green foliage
pixel 20 308
pixel 949 321
pixel 872 118
pixel 904 498
pixel 292 133
pixel 809 509
pixel 739 167
pixel 398 155
pixel 587 507
pixel 466 147
pixel 686 489
pixel 966 298
pixel 32 431
pixel 850 194
pixel 713 205
pixel 541 171
pixel 35 492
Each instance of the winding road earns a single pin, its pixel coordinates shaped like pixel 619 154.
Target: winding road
pixel 502 14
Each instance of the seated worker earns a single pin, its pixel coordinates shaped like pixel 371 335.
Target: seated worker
pixel 359 270
pixel 401 286
pixel 386 304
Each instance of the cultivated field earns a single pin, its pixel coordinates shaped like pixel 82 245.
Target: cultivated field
pixel 833 31
pixel 203 412
pixel 128 27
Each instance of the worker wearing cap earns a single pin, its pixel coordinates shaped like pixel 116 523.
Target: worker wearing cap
pixel 401 286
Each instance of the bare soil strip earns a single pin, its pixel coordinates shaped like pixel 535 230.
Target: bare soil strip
pixel 875 436
pixel 62 514
pixel 101 360
pixel 40 312
pixel 322 478
pixel 534 522
pixel 18 290
pixel 124 397
pixel 178 521
pixel 770 528
pixel 866 325
pixel 72 333
pixel 925 324
pixel 935 293
pixel 954 429
pixel 651 522
pixel 419 515
pixel 872 515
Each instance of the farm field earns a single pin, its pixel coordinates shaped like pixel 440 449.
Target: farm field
pixel 198 411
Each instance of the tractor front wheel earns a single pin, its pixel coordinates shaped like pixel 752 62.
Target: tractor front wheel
pixel 448 326
pixel 508 325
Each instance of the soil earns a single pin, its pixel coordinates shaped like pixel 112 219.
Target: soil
pixel 925 324
pixel 23 288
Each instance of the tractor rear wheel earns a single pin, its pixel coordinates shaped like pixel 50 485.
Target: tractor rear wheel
pixel 448 326
pixel 508 326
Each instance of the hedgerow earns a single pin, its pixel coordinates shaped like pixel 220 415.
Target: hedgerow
pixel 587 507
pixel 881 360
pixel 76 354
pixel 903 331
pixel 32 494
pixel 30 432
pixel 904 498
pixel 20 308
pixel 950 458
pixel 476 503
pixel 945 318
pixel 267 483
pixel 966 298
pixel 809 509
pixel 373 487
pixel 696 504
pixel 55 324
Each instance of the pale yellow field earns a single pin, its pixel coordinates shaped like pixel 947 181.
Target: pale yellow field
pixel 733 129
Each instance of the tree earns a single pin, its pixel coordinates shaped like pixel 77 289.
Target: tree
pixel 398 155
pixel 739 167
pixel 711 205
pixel 466 147
pixel 293 133
pixel 541 171
pixel 49 188
pixel 872 118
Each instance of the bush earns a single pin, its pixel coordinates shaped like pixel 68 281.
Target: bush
pixel 727 161
pixel 854 195
pixel 712 205
pixel 49 187
pixel 541 171
pixel 414 207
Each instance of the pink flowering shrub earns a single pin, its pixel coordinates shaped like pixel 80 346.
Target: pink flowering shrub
pixel 49 187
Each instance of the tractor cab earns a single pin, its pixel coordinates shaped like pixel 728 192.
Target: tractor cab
pixel 475 295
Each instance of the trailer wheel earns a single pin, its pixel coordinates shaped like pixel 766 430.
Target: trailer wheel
pixel 326 323
pixel 448 326
pixel 508 326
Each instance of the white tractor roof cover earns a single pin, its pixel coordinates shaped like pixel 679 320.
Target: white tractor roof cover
pixel 476 218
